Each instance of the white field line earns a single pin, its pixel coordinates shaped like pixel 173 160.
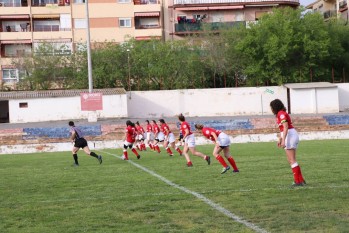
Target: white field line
pixel 199 196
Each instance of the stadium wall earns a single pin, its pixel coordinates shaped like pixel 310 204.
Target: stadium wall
pixel 110 134
pixel 204 102
pixel 63 108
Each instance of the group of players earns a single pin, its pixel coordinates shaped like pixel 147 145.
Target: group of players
pixel 137 137
pixel 159 132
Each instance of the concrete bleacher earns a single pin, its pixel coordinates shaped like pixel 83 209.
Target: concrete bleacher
pixel 114 130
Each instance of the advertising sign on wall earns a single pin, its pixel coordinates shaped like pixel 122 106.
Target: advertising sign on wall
pixel 91 101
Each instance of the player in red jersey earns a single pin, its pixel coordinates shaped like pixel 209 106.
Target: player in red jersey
pixel 149 134
pixel 140 136
pixel 222 143
pixel 130 138
pixel 189 142
pixel 169 138
pixel 288 139
pixel 158 135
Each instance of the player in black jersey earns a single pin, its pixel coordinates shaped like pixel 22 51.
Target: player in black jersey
pixel 80 142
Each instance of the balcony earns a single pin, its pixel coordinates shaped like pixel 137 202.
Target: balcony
pixel 182 28
pixel 329 14
pixel 343 5
pixel 145 2
pixel 200 2
pixel 15 3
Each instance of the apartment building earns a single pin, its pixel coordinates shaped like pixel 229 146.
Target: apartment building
pixel 24 24
pixel 186 17
pixel 328 8
pixel 331 8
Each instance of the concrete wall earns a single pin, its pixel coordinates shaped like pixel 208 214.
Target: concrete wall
pixel 343 95
pixel 204 102
pixel 314 100
pixel 64 108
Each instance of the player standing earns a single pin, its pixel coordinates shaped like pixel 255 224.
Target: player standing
pixel 222 143
pixel 79 141
pixel 288 139
pixel 169 138
pixel 189 142
pixel 130 138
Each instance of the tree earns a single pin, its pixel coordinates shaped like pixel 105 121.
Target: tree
pixel 284 46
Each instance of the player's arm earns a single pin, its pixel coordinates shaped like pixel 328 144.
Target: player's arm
pixel 214 135
pixel 72 136
pixel 186 133
pixel 284 134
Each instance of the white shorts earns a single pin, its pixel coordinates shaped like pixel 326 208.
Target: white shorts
pixel 190 140
pixel 223 139
pixel 160 137
pixel 150 136
pixel 171 138
pixel 292 139
pixel 139 137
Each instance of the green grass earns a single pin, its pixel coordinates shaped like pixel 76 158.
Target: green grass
pixel 44 193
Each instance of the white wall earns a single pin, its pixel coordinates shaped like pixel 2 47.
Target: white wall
pixel 204 102
pixel 343 95
pixel 64 108
pixel 314 100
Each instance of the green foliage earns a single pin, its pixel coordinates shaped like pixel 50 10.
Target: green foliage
pixel 285 46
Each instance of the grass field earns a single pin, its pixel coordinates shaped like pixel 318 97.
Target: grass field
pixel 44 193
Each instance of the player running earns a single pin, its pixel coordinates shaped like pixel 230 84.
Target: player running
pixel 130 138
pixel 189 142
pixel 169 138
pixel 140 137
pixel 222 143
pixel 79 141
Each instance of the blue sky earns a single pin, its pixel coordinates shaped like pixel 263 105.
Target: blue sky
pixel 306 2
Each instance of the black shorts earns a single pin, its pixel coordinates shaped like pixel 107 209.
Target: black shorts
pixel 80 143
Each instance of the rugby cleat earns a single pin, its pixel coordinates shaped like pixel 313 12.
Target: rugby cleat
pixel 100 159
pixel 225 169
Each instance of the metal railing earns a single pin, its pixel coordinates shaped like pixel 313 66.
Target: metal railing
pixel 193 27
pixel 182 2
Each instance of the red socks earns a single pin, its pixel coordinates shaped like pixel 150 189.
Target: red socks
pixel 135 152
pixel 221 161
pixel 179 150
pixel 233 164
pixel 168 150
pixel 125 155
pixel 297 173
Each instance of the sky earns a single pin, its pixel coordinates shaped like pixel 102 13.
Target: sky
pixel 306 2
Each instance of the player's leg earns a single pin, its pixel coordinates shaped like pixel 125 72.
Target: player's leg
pixel 230 159
pixel 216 153
pixel 75 155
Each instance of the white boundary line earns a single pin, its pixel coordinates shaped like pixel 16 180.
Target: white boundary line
pixel 199 196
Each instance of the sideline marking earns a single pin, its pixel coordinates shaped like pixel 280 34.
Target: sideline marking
pixel 199 196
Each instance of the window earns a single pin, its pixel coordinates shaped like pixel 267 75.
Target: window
pixel 80 23
pixel 79 1
pixel 53 48
pixel 125 22
pixel 65 22
pixel 10 75
pixel 11 3
pixel 23 105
